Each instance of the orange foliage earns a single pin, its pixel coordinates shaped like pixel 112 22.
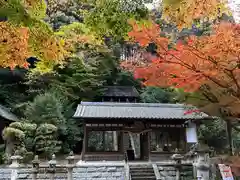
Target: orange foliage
pixel 19 43
pixel 194 62
pixel 13 45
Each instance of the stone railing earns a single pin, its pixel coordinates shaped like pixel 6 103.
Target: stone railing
pixel 68 171
pixel 49 171
pixel 108 170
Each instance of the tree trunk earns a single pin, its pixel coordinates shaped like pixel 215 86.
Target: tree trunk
pixel 229 136
pixel 9 147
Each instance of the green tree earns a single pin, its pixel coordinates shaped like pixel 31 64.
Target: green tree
pixel 152 94
pixel 77 81
pixel 12 87
pixel 213 133
pixel 27 139
pixel 108 18
pixel 60 13
pixel 157 95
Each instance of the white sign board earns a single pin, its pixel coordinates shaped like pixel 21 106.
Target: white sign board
pixel 226 172
pixel 191 133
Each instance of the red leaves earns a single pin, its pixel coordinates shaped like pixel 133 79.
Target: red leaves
pixel 192 111
pixel 179 46
pixel 191 64
pixel 144 34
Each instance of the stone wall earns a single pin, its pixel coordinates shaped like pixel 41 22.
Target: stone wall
pixel 79 173
pixel 99 173
pixel 5 174
pixel 26 174
pixel 168 172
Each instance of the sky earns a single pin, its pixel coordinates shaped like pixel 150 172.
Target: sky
pixel 154 4
pixel 235 7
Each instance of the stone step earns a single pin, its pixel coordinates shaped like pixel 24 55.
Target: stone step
pixel 144 178
pixel 131 167
pixel 140 166
pixel 142 174
pixel 142 171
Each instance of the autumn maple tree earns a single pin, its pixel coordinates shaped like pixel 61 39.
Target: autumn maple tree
pixel 194 61
pixel 24 34
pixel 209 63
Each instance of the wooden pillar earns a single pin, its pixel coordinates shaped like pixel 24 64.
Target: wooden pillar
pixel 121 142
pixel 148 145
pixel 85 140
pixel 145 146
pixel 115 140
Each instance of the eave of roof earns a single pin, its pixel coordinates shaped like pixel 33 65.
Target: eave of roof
pixel 154 111
pixel 6 114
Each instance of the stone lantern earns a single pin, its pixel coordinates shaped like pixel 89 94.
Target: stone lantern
pixel 178 159
pixel 14 166
pixel 35 167
pixel 52 167
pixel 202 163
pixel 70 165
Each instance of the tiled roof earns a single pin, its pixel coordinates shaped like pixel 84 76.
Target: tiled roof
pixel 110 110
pixel 120 91
pixel 6 114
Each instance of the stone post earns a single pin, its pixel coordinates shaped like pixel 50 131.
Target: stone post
pixel 70 166
pixel 52 167
pixel 202 165
pixel 35 167
pixel 178 159
pixel 15 165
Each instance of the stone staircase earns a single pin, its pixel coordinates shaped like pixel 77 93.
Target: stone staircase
pixel 142 172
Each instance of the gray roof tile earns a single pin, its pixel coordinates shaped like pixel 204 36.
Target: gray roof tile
pixel 111 110
pixel 5 113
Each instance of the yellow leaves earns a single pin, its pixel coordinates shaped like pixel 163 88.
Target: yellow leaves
pixel 46 45
pixel 23 11
pixel 24 34
pixel 184 12
pixel 19 43
pixel 77 35
pixel 13 45
pixel 36 8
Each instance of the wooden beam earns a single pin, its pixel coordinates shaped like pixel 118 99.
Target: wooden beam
pixel 168 125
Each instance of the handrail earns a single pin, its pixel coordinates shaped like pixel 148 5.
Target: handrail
pixel 156 171
pixel 125 156
pixel 127 171
pixel 192 150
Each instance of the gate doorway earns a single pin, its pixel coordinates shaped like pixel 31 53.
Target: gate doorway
pixel 138 147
